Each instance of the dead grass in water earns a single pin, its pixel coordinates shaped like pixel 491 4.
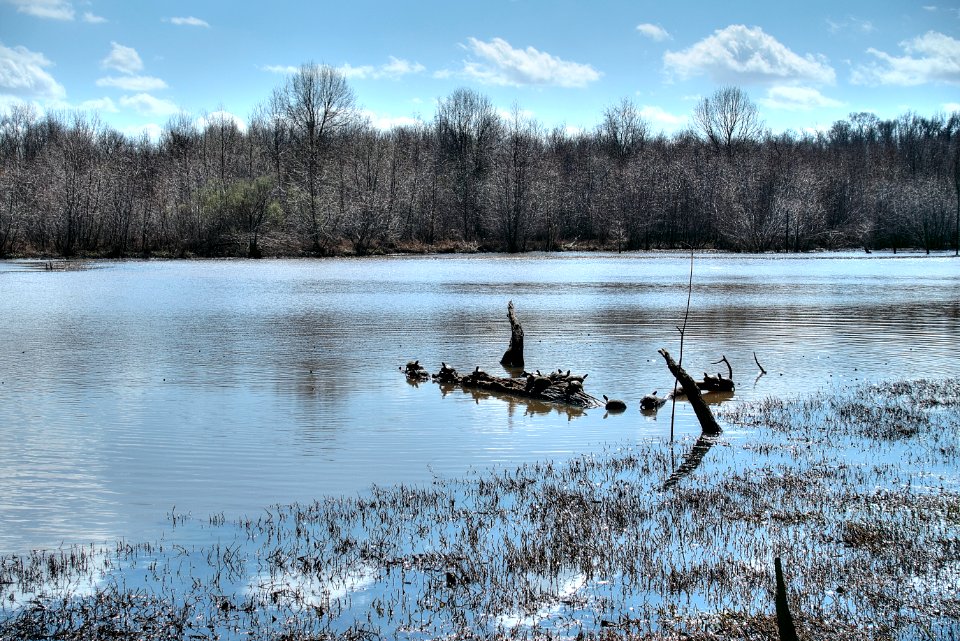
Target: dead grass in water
pixel 858 492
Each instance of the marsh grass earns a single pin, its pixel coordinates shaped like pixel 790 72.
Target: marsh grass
pixel 857 491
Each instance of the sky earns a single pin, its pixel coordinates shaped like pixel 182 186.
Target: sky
pixel 138 63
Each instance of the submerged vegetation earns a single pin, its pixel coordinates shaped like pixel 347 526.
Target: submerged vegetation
pixel 308 175
pixel 860 498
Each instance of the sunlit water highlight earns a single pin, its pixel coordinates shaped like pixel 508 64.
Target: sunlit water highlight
pixel 130 389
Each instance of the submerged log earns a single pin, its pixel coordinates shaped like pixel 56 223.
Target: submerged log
pixel 556 387
pixel 708 423
pixel 513 357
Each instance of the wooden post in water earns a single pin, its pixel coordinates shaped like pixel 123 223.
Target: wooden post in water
pixel 708 423
pixel 784 620
pixel 513 357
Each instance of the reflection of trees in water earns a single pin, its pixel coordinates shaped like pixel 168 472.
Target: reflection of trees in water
pixel 310 357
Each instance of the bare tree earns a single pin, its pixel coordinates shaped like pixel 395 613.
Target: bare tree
pixel 623 131
pixel 17 183
pixel 366 174
pixel 514 189
pixel 467 126
pixel 954 128
pixel 317 103
pixel 728 119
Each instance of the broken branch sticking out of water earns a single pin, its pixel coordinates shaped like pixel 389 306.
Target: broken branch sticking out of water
pixel 708 423
pixel 755 360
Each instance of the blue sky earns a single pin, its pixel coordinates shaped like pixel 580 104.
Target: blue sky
pixel 137 63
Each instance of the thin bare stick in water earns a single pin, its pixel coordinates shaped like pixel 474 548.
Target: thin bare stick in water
pixel 762 371
pixel 683 331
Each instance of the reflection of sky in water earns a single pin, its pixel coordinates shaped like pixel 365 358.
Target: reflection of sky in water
pixel 233 385
pixel 291 589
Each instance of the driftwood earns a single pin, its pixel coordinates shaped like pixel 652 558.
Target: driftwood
pixel 513 357
pixel 718 383
pixel 708 423
pixel 556 387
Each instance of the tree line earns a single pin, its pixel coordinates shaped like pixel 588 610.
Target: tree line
pixel 309 176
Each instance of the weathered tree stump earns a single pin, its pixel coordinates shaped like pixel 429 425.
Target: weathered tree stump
pixel 513 357
pixel 708 423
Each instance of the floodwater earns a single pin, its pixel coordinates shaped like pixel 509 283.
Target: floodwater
pixel 132 390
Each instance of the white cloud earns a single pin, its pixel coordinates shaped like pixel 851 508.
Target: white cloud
pixel 738 54
pixel 93 19
pixel 501 64
pixel 387 122
pixel 398 67
pixel 22 74
pixel 797 99
pixel 280 69
pixel 103 105
pixel 189 21
pixel 653 31
pixel 394 69
pixel 932 57
pixel 659 116
pixel 123 59
pixel 951 107
pixel 349 71
pixel 133 83
pixel 851 24
pixel 152 131
pixel 53 9
pixel 508 115
pixel 217 116
pixel 147 104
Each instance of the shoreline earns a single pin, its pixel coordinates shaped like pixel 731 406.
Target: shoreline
pixel 851 252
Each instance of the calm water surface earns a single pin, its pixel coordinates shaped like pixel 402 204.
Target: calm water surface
pixel 130 389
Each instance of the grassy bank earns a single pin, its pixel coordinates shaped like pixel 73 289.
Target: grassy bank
pixel 858 493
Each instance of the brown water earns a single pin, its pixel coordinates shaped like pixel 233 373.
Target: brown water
pixel 130 389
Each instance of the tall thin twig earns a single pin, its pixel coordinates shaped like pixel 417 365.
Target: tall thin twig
pixel 683 332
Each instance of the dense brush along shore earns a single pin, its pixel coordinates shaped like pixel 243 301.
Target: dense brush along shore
pixel 857 491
